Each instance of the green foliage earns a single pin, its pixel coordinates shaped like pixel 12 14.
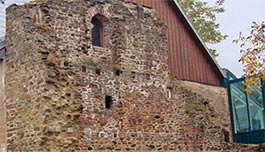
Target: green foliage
pixel 187 110
pixel 203 18
pixel 214 52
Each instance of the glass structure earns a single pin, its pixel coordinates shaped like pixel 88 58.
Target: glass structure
pixel 247 111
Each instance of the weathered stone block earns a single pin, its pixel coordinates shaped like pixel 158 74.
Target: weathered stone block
pixel 54 129
pixel 70 130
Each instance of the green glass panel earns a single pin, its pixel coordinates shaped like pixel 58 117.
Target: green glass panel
pixel 239 105
pixel 256 110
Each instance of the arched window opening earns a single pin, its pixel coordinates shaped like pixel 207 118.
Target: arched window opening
pixel 97 32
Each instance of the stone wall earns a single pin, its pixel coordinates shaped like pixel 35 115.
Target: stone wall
pixel 58 84
pixel 2 107
pixel 218 97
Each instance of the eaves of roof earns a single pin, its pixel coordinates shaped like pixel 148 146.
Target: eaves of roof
pixel 199 39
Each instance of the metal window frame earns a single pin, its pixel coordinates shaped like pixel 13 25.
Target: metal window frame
pixel 250 137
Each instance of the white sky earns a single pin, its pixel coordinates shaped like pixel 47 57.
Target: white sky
pixel 237 17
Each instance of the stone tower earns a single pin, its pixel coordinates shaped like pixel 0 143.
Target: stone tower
pixel 69 90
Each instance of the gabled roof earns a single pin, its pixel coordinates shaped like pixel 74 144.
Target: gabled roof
pixel 2 49
pixel 199 39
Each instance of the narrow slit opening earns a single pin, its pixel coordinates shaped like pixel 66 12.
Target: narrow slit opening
pixel 108 102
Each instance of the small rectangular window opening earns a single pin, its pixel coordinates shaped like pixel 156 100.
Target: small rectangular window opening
pixel 148 77
pixel 98 70
pixel 83 68
pixel 133 75
pixel 108 102
pixel 169 93
pixel 118 72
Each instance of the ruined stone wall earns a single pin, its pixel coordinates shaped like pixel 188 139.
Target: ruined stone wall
pixel 24 83
pixel 57 83
pixel 218 97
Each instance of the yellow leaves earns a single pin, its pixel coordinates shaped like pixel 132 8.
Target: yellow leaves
pixel 252 48
pixel 252 83
pixel 251 58
pixel 263 77
pixel 250 80
pixel 250 61
pixel 248 91
pixel 243 60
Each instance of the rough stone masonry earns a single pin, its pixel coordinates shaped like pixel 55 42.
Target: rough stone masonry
pixel 65 94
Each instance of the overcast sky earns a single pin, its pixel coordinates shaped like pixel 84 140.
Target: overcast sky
pixel 238 17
